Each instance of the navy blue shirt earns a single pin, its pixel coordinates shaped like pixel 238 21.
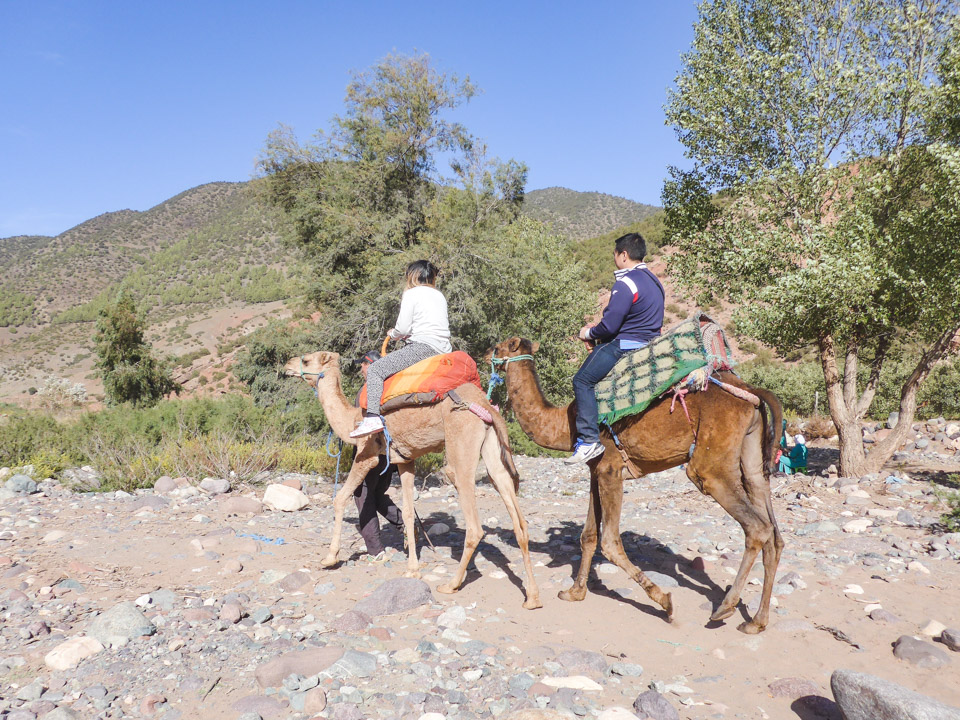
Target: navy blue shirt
pixel 635 310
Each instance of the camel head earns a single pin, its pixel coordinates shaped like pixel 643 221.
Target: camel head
pixel 511 348
pixel 311 366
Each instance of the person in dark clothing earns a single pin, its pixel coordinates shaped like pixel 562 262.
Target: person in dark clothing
pixel 632 318
pixel 371 495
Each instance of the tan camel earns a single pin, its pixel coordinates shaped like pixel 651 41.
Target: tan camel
pixel 732 451
pixel 416 431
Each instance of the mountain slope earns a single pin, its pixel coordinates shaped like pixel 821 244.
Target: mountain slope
pixel 583 215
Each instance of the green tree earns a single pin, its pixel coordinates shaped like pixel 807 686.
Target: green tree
pixel 126 364
pixel 823 197
pixel 368 197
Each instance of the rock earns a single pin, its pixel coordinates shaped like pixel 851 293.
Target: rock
pixel 354 664
pixel 61 713
pixel 351 621
pixel 626 669
pixel 933 628
pixel 576 660
pixel 21 484
pixel 792 688
pixel 907 518
pixel 616 713
pixel 215 486
pixel 315 701
pixel 881 615
pixel 437 529
pixel 164 484
pixel 892 420
pixel 858 525
pixel 241 506
pixel 149 703
pixel 664 581
pixel 266 707
pixel 452 617
pixel 395 596
pixel 919 653
pixel 952 431
pixel 302 662
pixel 284 498
pixel 231 613
pixel 574 682
pixel 652 704
pixel 865 697
pixel 951 638
pixel 68 654
pixel 123 621
pixel 294 581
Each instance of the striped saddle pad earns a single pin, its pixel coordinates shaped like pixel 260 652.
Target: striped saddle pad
pixel 426 382
pixel 643 375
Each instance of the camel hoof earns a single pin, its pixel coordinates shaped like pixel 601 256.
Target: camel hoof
pixel 532 603
pixel 329 561
pixel 573 594
pixel 751 627
pixel 412 574
pixel 667 605
pixel 447 588
pixel 722 613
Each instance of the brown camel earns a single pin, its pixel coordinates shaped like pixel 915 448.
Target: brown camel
pixel 416 431
pixel 732 451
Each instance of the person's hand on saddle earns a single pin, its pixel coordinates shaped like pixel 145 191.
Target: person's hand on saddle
pixel 585 336
pixel 393 334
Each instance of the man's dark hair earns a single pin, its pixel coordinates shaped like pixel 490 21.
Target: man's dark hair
pixel 634 244
pixel 421 272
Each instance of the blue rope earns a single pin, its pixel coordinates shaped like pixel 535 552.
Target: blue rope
pixel 336 477
pixel 389 439
pixel 495 377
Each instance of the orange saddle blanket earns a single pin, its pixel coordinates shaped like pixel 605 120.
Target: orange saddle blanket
pixel 426 382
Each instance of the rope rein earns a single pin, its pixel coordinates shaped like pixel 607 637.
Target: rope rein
pixel 495 377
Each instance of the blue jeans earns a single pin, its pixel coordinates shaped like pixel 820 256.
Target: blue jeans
pixel 595 368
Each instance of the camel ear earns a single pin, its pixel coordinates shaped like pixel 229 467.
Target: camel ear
pixel 534 346
pixel 513 344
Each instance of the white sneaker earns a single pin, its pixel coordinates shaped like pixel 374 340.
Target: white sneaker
pixel 371 424
pixel 584 452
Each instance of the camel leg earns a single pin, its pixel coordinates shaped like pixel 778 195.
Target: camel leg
pixel 504 484
pixel 408 512
pixel 588 539
pixel 757 530
pixel 464 436
pixel 365 461
pixel 611 542
pixel 758 492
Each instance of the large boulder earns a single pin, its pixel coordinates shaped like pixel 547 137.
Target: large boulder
pixel 395 596
pixel 866 697
pixel 302 662
pixel 286 499
pixel 120 624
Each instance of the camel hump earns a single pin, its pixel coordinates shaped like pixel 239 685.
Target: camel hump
pixel 426 382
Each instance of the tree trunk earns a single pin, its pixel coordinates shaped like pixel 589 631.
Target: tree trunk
pixel 850 436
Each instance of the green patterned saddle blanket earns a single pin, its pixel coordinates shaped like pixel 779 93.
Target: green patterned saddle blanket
pixel 643 375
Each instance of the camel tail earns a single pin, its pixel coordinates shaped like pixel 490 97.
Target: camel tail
pixel 772 432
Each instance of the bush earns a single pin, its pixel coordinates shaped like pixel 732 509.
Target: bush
pixel 951 498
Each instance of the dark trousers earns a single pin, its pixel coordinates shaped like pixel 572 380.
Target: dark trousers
pixel 371 498
pixel 595 368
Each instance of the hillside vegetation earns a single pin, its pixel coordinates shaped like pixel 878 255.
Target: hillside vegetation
pixel 583 215
pixel 207 266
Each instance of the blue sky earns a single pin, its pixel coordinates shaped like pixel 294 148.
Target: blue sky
pixel 113 105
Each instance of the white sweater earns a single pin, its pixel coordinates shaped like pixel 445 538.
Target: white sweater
pixel 423 318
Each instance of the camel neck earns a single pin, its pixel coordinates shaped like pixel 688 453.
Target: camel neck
pixel 546 424
pixel 341 414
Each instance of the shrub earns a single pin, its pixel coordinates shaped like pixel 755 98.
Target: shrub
pixel 951 498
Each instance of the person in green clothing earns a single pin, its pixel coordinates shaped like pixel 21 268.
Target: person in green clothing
pixel 796 461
